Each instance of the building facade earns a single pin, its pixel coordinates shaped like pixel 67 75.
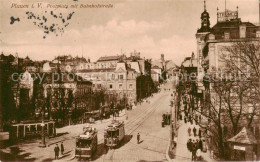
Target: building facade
pixel 213 46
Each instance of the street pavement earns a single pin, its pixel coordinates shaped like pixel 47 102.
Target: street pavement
pixel 154 138
pixel 145 119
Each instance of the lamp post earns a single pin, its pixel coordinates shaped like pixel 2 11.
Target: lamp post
pixel 42 143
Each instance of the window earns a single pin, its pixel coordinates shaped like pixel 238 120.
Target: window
pixel 258 34
pixel 98 85
pixel 121 76
pixel 226 35
pixel 111 86
pixel 120 86
pixel 242 31
pixel 130 86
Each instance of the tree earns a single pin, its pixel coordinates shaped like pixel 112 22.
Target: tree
pixel 232 96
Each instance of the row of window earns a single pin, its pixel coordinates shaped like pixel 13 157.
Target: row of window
pixel 120 86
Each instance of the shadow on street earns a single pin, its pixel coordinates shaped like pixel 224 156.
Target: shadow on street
pixel 16 154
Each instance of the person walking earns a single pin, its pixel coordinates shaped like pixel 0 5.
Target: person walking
pixel 198 154
pixel 200 145
pixel 194 131
pixel 62 148
pixel 189 145
pixel 197 144
pixel 193 153
pixel 56 151
pixel 189 131
pixel 138 138
pixel 199 133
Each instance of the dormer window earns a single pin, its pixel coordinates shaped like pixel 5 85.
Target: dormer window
pixel 226 35
pixel 257 34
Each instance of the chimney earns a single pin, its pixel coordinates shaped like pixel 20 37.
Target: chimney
pixel 162 57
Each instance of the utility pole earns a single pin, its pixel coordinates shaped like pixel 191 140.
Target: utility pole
pixel 42 144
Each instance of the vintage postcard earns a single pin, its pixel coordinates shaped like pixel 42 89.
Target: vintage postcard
pixel 129 80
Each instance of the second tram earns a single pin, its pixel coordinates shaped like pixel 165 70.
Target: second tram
pixel 114 134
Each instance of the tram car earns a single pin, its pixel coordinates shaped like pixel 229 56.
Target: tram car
pixel 86 143
pixel 114 134
pixel 166 118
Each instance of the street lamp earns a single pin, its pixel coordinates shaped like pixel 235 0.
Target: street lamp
pixel 43 105
pixel 42 143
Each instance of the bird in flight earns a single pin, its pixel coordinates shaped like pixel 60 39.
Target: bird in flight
pixel 12 20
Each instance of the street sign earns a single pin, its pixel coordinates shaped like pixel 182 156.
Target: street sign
pixel 239 148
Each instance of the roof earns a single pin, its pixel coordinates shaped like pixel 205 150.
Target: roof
pixel 109 58
pixel 232 27
pixel 97 70
pixel 188 62
pixel 245 136
pixel 115 125
pixel 156 67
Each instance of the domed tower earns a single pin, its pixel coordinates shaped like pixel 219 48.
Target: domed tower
pixel 205 23
pixel 202 32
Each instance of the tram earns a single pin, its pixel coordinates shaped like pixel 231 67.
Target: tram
pixel 86 143
pixel 114 134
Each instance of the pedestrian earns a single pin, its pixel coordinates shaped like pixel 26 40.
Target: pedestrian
pixel 198 155
pixel 196 117
pixel 189 145
pixel 56 151
pixel 204 146
pixel 200 144
pixel 193 154
pixel 199 133
pixel 194 131
pixel 185 120
pixel 197 144
pixel 61 148
pixel 189 131
pixel 138 138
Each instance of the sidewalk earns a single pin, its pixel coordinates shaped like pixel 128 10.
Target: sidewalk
pixel 182 152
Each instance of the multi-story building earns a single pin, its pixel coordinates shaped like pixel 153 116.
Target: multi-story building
pixel 118 75
pixel 211 48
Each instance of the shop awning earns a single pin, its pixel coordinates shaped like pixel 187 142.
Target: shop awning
pixel 245 136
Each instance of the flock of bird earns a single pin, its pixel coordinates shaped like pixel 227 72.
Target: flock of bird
pixel 57 26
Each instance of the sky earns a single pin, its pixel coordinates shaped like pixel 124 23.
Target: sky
pixel 151 27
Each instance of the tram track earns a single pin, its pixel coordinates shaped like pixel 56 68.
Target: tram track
pixel 137 122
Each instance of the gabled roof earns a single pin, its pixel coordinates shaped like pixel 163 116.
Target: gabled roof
pixel 245 136
pixel 156 67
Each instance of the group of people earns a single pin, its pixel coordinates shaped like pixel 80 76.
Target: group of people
pixel 195 148
pixel 57 150
pixel 195 132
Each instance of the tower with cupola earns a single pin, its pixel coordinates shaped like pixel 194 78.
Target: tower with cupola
pixel 200 37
